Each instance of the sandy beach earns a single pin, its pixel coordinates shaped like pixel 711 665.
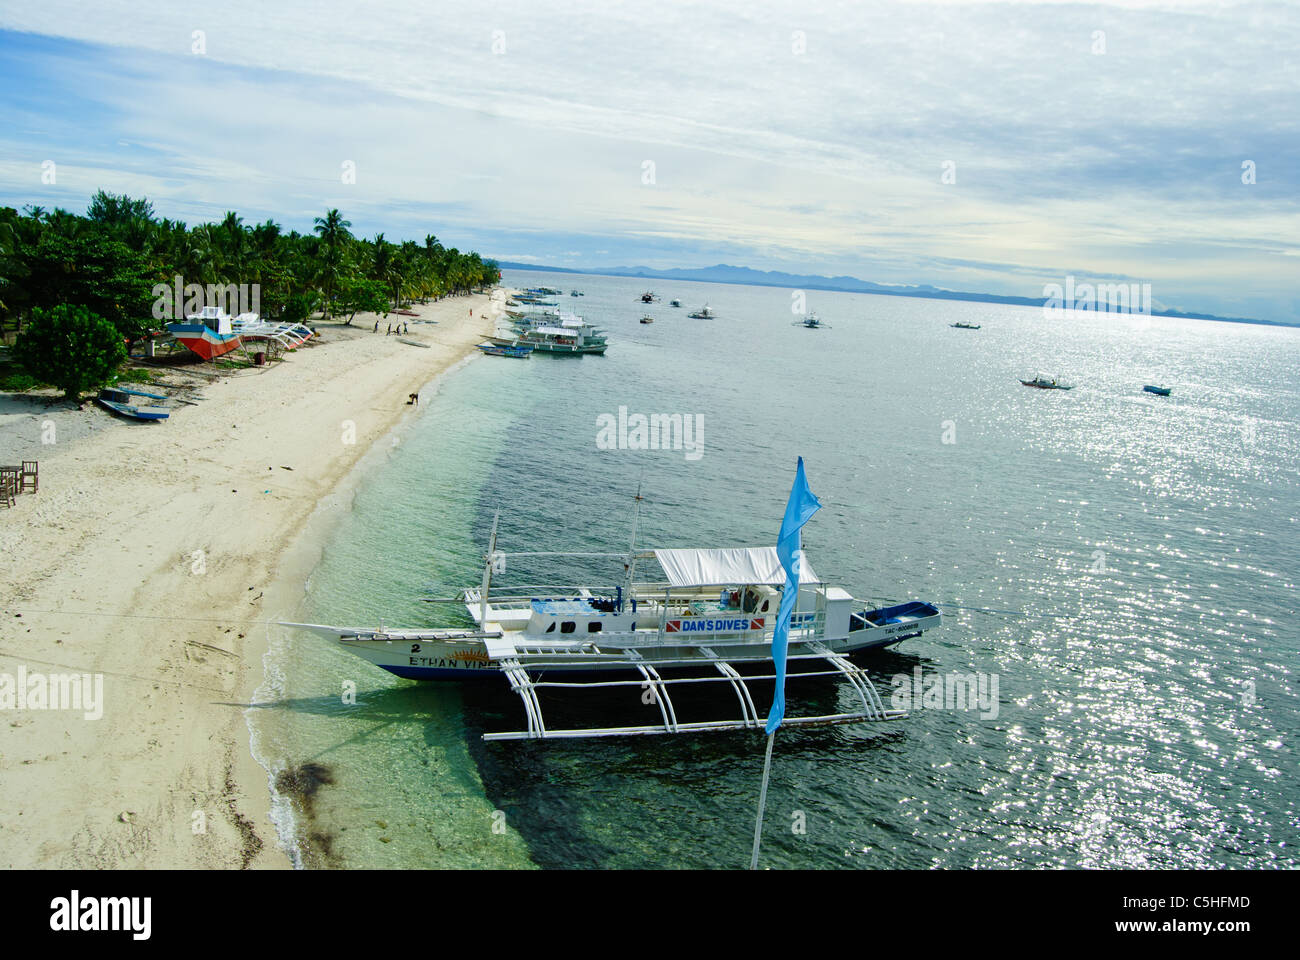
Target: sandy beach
pixel 150 555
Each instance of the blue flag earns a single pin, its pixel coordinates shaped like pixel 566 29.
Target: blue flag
pixel 798 511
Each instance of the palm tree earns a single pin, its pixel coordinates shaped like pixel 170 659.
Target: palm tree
pixel 333 230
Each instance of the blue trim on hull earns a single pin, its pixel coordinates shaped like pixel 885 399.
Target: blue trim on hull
pixel 441 673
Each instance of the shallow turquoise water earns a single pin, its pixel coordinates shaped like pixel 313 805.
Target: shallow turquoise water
pixel 1141 551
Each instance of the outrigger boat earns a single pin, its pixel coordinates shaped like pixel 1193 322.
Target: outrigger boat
pixel 252 328
pixel 209 333
pixel 1042 383
pixel 649 297
pixel 708 615
pixel 505 348
pixel 812 322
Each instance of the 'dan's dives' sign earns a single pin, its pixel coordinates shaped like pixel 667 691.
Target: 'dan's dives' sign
pixel 713 625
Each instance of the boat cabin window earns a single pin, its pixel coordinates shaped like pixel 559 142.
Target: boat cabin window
pixel 550 627
pixel 593 626
pixel 567 626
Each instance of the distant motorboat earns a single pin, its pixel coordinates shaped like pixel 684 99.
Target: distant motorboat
pixel 704 313
pixel 965 326
pixel 1158 391
pixel 675 303
pixel 121 401
pixel 1042 383
pixel 647 319
pixel 811 322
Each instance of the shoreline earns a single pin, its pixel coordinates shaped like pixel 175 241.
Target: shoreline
pixel 288 592
pixel 159 560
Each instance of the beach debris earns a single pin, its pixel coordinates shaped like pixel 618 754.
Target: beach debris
pixel 125 816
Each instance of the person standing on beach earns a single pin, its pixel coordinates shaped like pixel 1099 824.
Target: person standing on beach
pixel 390 329
pixel 376 326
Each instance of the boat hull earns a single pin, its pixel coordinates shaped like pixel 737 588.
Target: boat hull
pixel 202 340
pixel 425 656
pixel 132 412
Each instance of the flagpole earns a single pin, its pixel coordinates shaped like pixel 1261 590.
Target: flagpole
pixel 762 801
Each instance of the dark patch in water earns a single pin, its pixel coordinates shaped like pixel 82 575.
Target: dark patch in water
pixel 300 784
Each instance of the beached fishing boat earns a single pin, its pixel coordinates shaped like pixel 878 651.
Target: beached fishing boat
pixel 704 313
pixel 124 402
pixel 1158 391
pixel 209 333
pixel 1042 383
pixel 965 326
pixel 251 328
pixel 707 616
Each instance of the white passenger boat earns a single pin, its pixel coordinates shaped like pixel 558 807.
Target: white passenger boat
pixel 706 617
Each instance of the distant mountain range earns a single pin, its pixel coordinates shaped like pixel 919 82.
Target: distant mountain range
pixel 725 273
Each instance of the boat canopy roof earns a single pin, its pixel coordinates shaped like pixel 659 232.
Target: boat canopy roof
pixel 734 565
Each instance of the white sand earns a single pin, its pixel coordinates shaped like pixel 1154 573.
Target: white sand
pixel 99 574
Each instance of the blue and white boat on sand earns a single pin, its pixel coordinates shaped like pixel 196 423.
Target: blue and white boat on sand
pixel 121 401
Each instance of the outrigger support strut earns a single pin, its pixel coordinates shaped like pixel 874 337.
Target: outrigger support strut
pixel 517 670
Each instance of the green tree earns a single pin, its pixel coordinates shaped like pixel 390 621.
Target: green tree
pixel 104 275
pixel 71 348
pixel 362 296
pixel 333 230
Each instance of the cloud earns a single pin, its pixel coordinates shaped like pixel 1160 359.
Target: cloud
pixel 778 134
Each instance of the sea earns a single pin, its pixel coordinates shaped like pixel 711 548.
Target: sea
pixel 1116 569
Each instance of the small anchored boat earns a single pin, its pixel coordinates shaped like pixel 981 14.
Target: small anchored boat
pixel 965 326
pixel 704 313
pixel 811 322
pixel 675 303
pixel 123 402
pixel 500 348
pixel 1158 391
pixel 647 319
pixel 1042 383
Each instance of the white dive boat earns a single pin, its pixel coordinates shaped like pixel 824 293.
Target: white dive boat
pixel 708 615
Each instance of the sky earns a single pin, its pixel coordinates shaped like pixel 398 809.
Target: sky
pixel 978 146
